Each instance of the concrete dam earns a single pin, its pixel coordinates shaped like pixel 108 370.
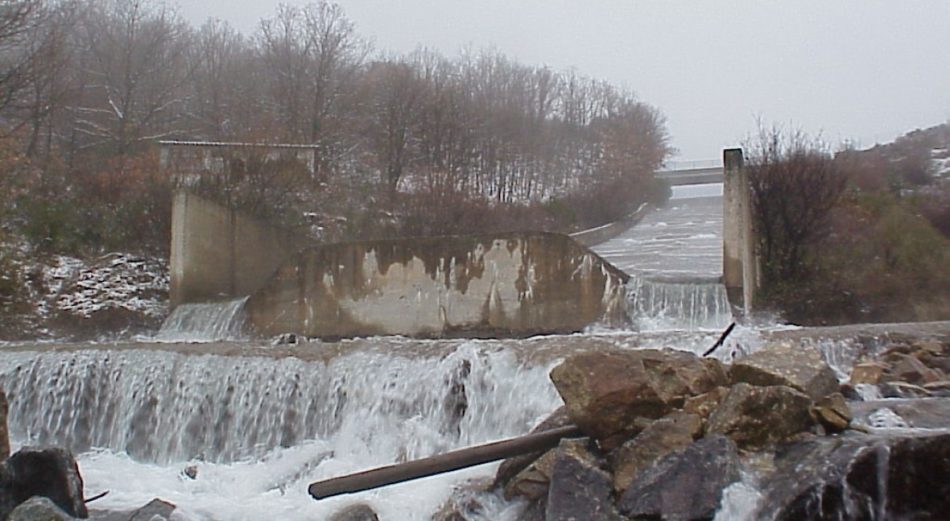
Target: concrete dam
pixel 655 269
pixel 512 284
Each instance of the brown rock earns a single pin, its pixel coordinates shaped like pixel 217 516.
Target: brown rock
pixel 911 370
pixel 605 392
pixel 755 417
pixel 672 433
pixel 903 390
pixel 512 466
pixel 704 404
pixel 833 412
pixel 532 483
pixel 800 368
pixel 867 373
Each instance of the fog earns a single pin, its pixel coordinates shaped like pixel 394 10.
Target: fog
pixel 859 70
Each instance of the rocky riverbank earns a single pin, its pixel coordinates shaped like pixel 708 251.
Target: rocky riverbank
pixel 772 436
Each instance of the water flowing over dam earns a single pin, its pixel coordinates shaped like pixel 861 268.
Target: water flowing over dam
pixel 262 420
pixel 674 257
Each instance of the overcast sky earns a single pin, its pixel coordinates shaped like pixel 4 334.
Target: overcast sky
pixel 859 70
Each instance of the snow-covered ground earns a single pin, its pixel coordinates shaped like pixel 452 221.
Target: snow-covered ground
pixel 65 296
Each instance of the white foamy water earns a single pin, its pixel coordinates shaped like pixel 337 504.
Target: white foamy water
pixel 665 306
pixel 739 501
pixel 261 429
pixel 204 322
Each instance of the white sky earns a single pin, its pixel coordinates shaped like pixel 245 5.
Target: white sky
pixel 859 70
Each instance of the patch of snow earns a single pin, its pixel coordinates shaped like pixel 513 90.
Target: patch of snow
pixel 117 281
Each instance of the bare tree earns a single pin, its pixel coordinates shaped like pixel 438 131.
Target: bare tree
pixel 395 94
pixel 17 20
pixel 134 55
pixel 314 56
pixel 795 185
pixel 219 84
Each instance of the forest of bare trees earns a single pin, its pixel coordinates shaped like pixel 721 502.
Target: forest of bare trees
pixel 420 143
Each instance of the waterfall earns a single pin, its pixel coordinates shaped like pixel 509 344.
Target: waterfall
pixel 656 305
pixel 204 322
pixel 163 407
pixel 260 428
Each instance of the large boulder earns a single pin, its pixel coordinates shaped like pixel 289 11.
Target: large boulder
pixel 672 433
pixel 755 417
pixel 579 489
pixel 684 485
pixel 50 473
pixel 860 478
pixel 607 392
pixel 800 368
pixel 38 508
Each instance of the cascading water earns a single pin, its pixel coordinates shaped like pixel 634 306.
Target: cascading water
pixel 261 428
pixel 671 305
pixel 674 258
pixel 204 322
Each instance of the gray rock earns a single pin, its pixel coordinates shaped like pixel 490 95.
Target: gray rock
pixel 755 417
pixel 4 433
pixel 927 413
pixel 607 392
pixel 684 485
pixel 704 404
pixel 51 473
pixel 579 491
pixel 797 367
pixel 673 432
pixel 154 510
pixel 860 477
pixel 356 512
pixel 38 508
pixel 832 412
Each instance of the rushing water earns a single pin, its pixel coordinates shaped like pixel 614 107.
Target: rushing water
pixel 261 428
pixel 204 322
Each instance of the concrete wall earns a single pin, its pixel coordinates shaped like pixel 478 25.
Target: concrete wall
pixel 508 284
pixel 740 261
pixel 217 254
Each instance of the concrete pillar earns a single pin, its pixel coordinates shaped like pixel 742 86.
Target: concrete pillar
pixel 218 254
pixel 739 262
